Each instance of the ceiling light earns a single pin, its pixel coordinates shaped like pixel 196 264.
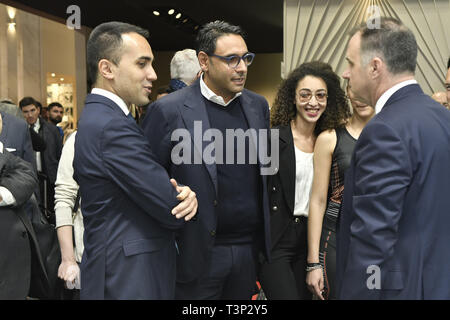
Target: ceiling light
pixel 156 13
pixel 171 12
pixel 178 16
pixel 185 20
pixel 53 75
pixel 62 79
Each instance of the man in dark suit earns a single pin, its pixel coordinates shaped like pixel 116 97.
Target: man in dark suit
pixel 217 251
pixel 393 241
pixel 16 138
pixel 128 199
pixel 18 240
pixel 47 143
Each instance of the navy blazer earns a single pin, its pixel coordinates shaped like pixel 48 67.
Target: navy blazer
pixel 179 110
pixel 393 237
pixel 127 198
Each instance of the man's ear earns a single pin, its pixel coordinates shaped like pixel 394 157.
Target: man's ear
pixel 105 69
pixel 376 67
pixel 203 59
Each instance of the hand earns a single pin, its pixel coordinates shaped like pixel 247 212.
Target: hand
pixel 314 280
pixel 187 208
pixel 68 271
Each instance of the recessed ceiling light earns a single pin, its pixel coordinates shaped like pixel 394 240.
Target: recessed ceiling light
pixel 185 20
pixel 171 12
pixel 62 79
pixel 53 75
pixel 178 16
pixel 156 13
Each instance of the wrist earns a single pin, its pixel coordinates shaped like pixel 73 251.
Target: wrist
pixel 313 266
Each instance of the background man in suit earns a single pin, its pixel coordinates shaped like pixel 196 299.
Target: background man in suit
pixel 16 138
pixel 217 251
pixel 127 197
pixel 393 238
pixel 47 143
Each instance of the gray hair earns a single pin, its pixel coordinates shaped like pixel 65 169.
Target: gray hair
pixel 392 41
pixel 185 66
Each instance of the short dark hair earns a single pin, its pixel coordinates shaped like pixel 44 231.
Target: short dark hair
pixel 393 41
pixel 209 33
pixel 55 104
pixel 337 111
pixel 105 42
pixel 26 101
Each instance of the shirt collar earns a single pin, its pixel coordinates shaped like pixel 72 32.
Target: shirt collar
pixel 111 96
pixel 1 147
pixel 385 96
pixel 211 96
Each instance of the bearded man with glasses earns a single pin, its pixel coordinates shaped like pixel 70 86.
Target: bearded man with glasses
pixel 217 251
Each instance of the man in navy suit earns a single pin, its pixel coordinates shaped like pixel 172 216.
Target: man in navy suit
pixel 130 205
pixel 217 251
pixel 16 138
pixel 393 241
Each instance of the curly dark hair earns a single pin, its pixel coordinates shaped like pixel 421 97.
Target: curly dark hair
pixel 284 109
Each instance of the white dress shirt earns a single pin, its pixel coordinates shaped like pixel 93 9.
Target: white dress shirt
pixel 37 126
pixel 112 96
pixel 385 96
pixel 211 96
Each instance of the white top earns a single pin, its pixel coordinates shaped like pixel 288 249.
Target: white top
pixel 211 96
pixel 112 96
pixel 385 96
pixel 304 172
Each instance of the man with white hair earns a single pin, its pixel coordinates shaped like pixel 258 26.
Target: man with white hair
pixel 184 69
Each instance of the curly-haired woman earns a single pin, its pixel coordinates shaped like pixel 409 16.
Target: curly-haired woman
pixel 332 155
pixel 308 102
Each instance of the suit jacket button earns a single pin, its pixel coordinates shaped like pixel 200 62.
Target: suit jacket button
pixel 213 233
pixel 274 208
pixel 24 234
pixel 215 203
pixel 274 189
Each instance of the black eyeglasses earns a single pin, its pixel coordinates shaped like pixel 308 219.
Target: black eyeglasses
pixel 234 60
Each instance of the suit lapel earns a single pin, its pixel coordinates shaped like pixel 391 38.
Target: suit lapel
pixel 195 118
pixel 287 165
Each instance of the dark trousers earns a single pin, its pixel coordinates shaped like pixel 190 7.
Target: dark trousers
pixel 284 278
pixel 327 256
pixel 47 197
pixel 230 275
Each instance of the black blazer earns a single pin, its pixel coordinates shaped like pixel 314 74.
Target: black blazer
pixel 282 186
pixel 16 231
